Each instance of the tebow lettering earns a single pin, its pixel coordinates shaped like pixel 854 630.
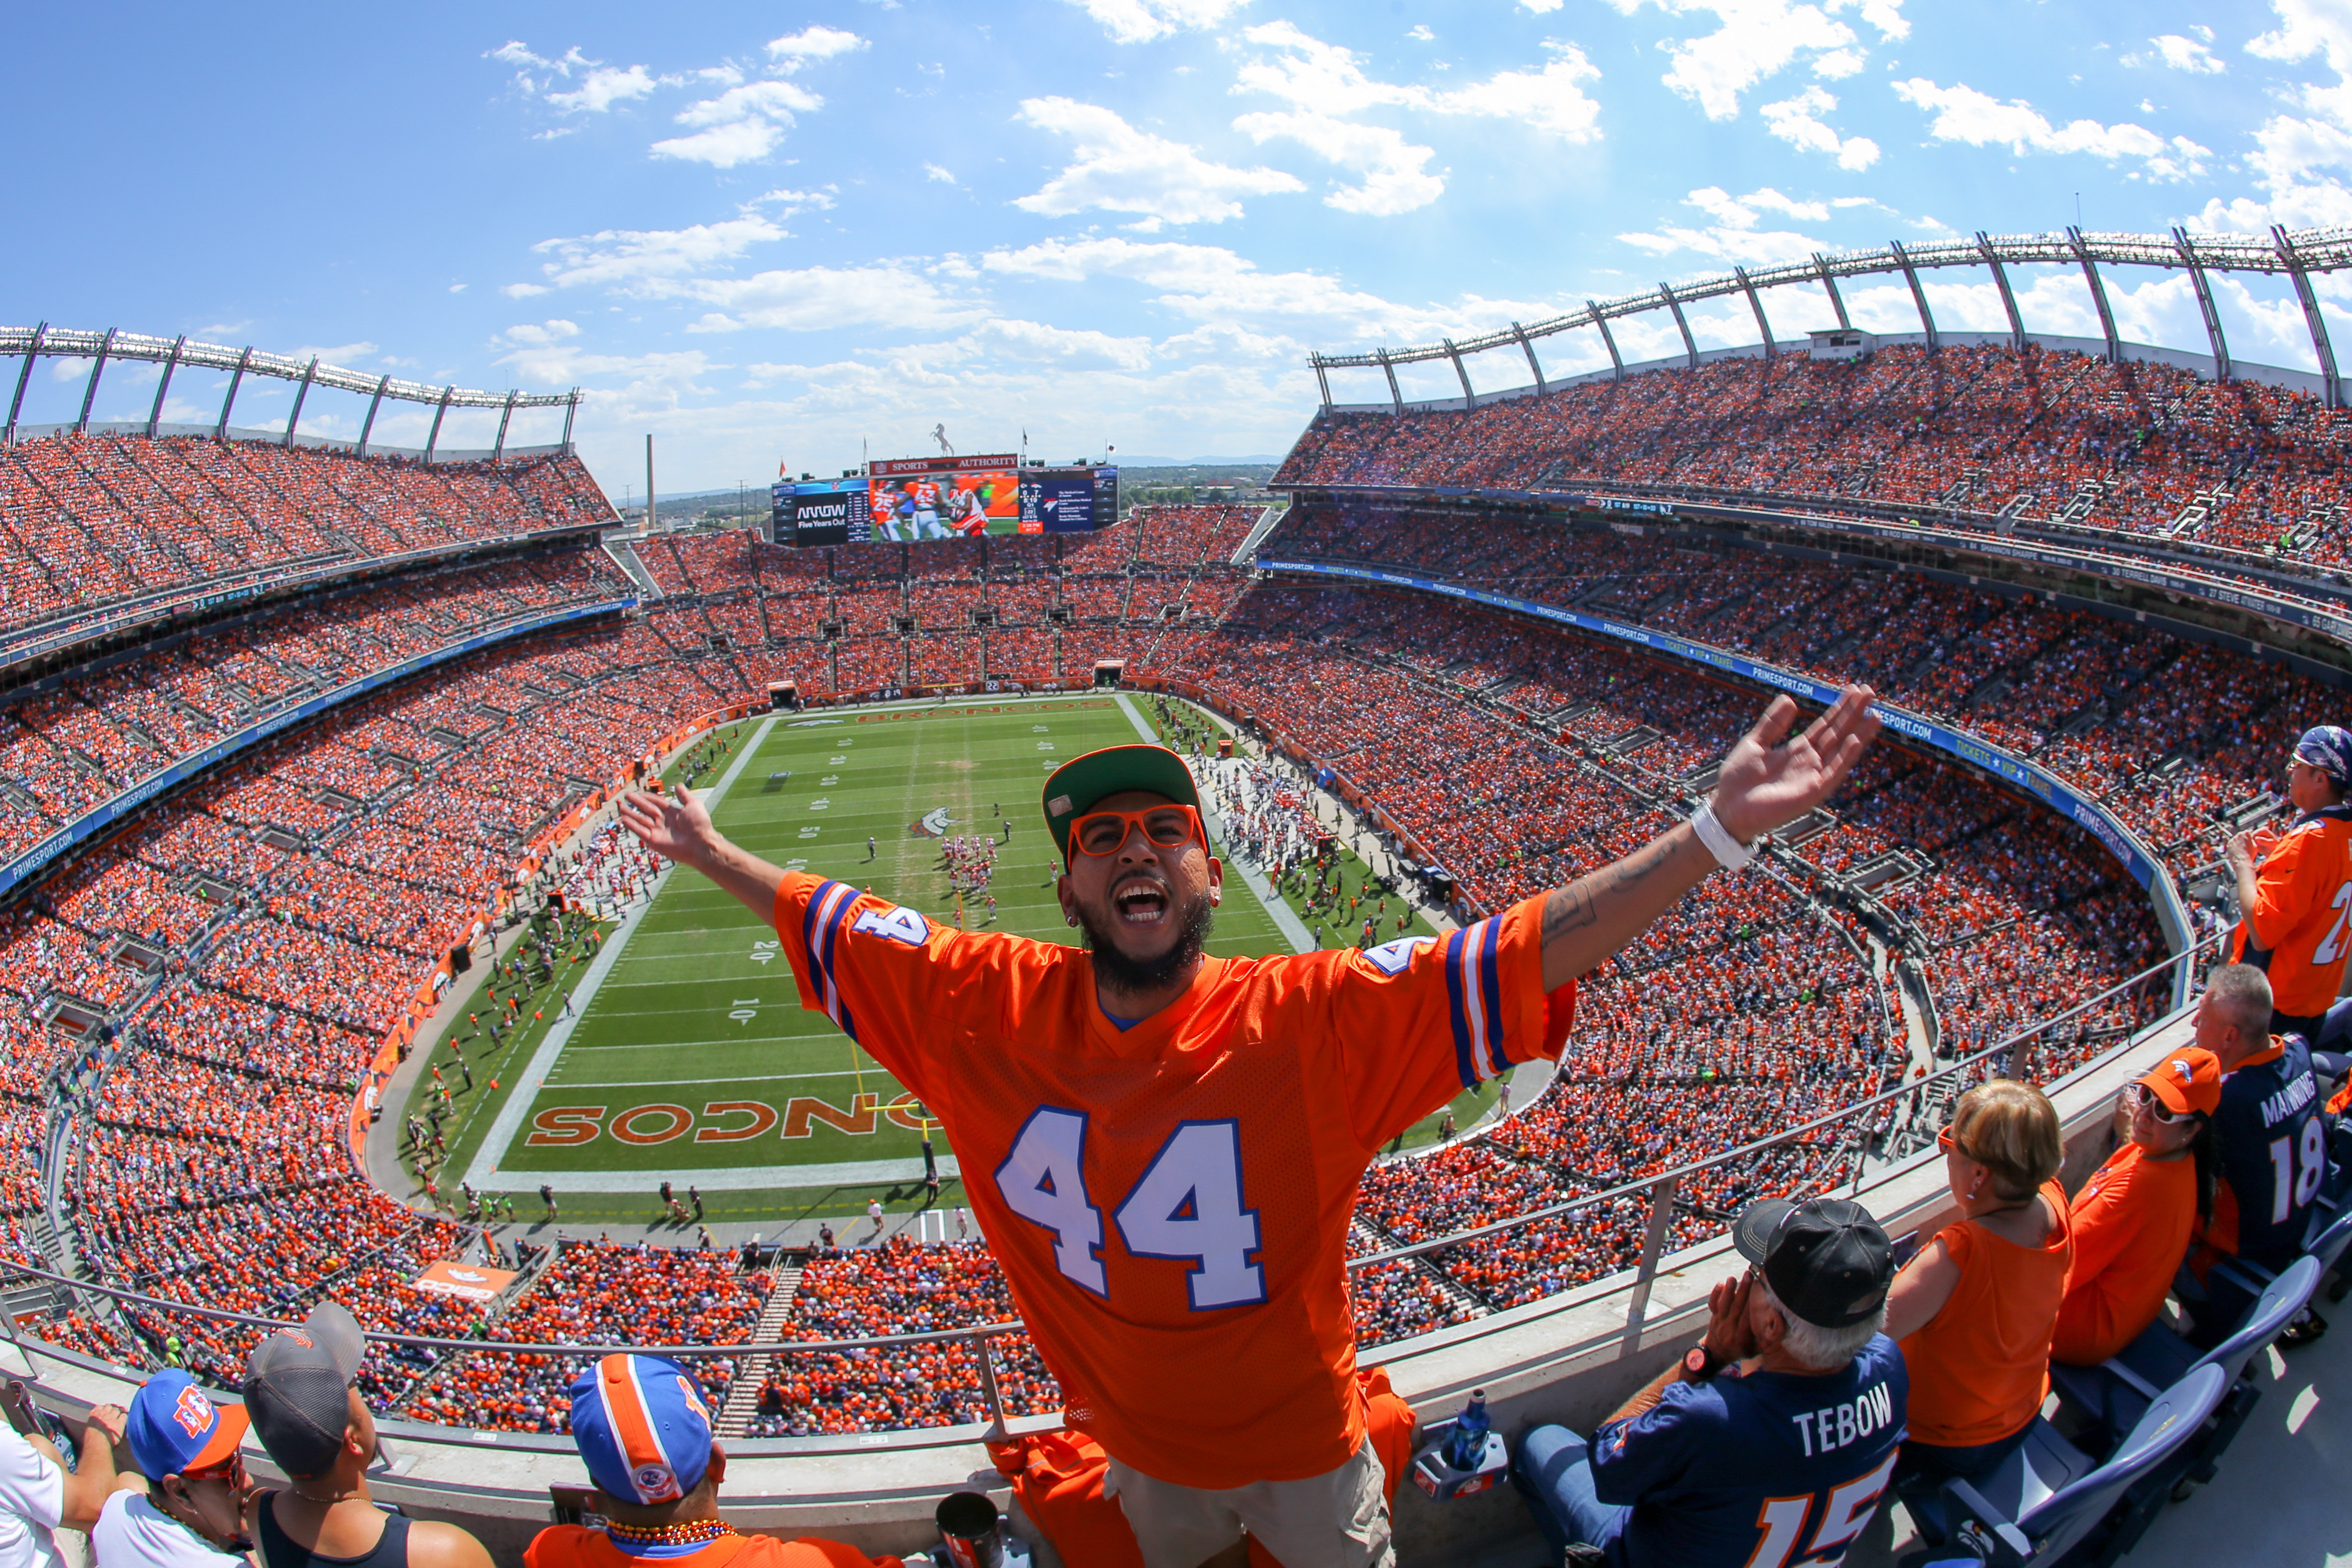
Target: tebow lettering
pixel 1838 1425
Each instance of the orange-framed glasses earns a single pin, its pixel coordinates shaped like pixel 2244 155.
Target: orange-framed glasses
pixel 1166 827
pixel 229 1471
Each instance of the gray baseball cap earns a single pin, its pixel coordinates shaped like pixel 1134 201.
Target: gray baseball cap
pixel 297 1388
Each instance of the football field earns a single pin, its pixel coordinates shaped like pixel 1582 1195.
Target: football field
pixel 678 1049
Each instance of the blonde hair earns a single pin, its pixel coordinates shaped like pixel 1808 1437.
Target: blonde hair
pixel 2011 1130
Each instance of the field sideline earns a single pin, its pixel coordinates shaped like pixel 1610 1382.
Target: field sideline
pixel 684 1055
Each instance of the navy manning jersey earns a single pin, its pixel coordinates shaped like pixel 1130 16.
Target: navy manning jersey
pixel 2273 1144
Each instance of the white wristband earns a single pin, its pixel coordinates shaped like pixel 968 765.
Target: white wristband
pixel 1728 852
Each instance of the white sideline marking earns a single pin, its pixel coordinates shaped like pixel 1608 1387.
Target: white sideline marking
pixel 739 1178
pixel 1293 929
pixel 542 1060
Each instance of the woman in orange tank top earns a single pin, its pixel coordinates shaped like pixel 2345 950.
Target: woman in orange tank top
pixel 1974 1312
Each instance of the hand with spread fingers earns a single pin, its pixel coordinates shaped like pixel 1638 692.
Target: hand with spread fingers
pixel 1766 784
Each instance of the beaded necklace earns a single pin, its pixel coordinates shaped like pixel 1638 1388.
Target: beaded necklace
pixel 685 1532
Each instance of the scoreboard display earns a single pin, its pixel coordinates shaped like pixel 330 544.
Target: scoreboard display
pixel 913 501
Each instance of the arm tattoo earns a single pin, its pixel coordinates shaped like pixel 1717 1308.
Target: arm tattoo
pixel 1571 908
pixel 1568 909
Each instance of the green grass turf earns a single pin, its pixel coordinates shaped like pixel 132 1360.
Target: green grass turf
pixel 700 1008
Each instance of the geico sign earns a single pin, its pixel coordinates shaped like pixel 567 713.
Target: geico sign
pixel 722 1122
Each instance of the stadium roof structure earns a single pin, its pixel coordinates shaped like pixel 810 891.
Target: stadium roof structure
pixel 57 343
pixel 2295 253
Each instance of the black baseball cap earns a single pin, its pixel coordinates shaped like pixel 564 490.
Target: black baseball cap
pixel 1079 785
pixel 297 1390
pixel 1825 1258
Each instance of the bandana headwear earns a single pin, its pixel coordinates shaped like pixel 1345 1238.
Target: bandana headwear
pixel 643 1427
pixel 2328 748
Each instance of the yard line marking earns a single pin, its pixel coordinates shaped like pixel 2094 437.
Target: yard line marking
pixel 749 1078
pixel 493 1148
pixel 739 1178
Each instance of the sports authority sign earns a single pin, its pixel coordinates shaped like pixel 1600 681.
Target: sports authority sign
pixel 467 1282
pixel 888 466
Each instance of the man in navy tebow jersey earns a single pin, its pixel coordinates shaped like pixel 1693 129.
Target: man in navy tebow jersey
pixel 1771 1442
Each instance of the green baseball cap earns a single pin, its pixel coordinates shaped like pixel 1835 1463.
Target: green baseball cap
pixel 1073 789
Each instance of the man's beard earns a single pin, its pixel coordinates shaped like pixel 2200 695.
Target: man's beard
pixel 1133 975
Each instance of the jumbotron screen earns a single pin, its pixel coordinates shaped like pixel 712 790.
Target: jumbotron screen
pixel 913 501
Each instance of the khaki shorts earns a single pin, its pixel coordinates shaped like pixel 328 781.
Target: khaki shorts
pixel 1340 1520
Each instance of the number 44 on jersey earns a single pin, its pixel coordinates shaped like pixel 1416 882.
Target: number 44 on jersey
pixel 1187 1205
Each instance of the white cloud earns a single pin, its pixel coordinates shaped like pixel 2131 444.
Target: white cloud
pixel 1140 21
pixel 1754 39
pixel 1541 7
pixel 1211 285
pixel 1421 33
pixel 1122 169
pixel 522 291
pixel 1734 235
pixel 739 125
pixel 2292 151
pixel 1797 121
pixel 1325 82
pixel 810 298
pixel 456 288
pixel 2181 54
pixel 336 353
pixel 539 334
pixel 1548 101
pixel 1391 168
pixel 933 172
pixel 604 87
pixel 815 43
pixel 1741 212
pixel 792 201
pixel 630 259
pixel 724 146
pixel 1000 340
pixel 1964 114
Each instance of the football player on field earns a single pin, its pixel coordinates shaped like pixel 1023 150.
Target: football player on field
pixel 1164 1147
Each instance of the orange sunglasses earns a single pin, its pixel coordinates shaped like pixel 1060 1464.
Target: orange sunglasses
pixel 1167 826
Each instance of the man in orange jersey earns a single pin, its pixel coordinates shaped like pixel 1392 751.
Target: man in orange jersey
pixel 2294 888
pixel 1164 1147
pixel 643 1429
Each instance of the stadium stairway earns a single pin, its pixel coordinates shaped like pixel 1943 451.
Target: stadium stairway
pixel 1246 552
pixel 743 1395
pixel 625 556
pixel 523 1285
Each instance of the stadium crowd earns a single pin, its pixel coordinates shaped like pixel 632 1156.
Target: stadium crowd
pixel 2034 433
pixel 91 521
pixel 297 900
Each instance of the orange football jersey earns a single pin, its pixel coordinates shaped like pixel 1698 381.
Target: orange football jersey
pixel 1171 1203
pixel 2298 928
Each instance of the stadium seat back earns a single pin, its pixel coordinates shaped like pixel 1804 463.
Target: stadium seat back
pixel 2048 1496
pixel 2280 1299
pixel 2329 1240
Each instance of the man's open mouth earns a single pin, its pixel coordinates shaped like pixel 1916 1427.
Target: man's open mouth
pixel 1140 902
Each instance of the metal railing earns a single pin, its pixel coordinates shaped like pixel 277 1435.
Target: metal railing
pixel 1873 1127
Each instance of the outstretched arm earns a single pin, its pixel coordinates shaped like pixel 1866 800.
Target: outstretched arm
pixel 677 827
pixel 1764 785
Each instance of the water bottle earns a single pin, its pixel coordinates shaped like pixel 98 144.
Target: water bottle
pixel 1468 1443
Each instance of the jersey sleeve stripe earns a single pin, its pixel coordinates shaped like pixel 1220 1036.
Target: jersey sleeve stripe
pixel 828 912
pixel 1454 985
pixel 1490 987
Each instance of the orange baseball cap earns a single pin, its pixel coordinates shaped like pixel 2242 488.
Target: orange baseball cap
pixel 2188 1079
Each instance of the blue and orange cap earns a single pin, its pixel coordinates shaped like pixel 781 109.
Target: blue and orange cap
pixel 175 1427
pixel 643 1429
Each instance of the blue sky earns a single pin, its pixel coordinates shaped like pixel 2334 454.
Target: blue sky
pixel 788 234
